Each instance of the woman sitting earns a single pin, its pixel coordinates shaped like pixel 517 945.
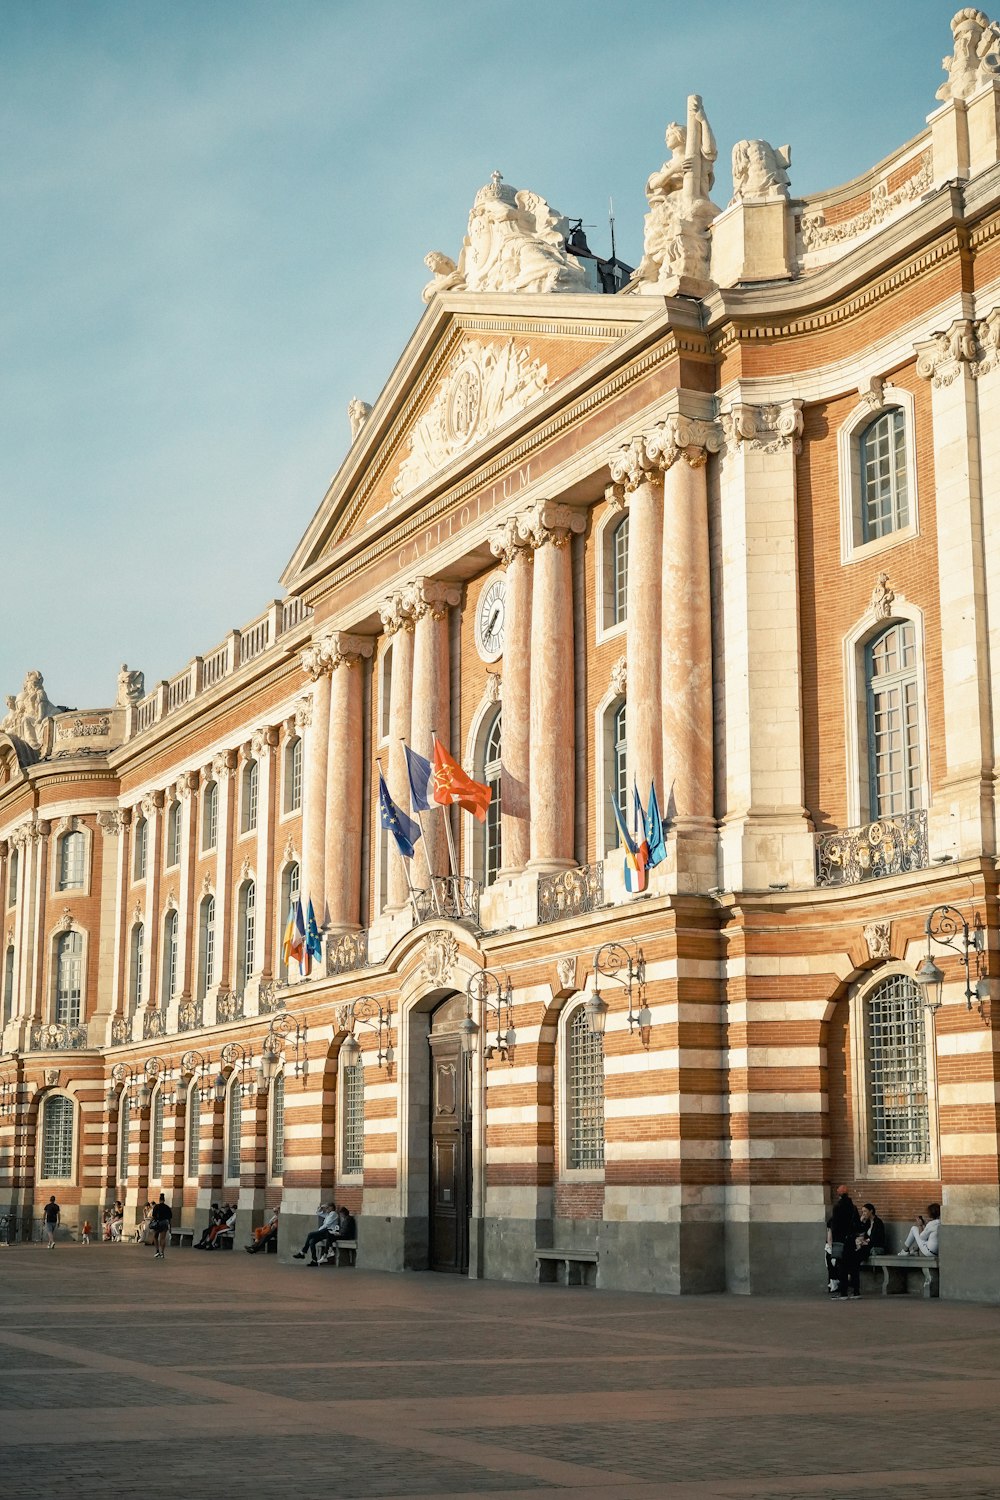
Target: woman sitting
pixel 923 1237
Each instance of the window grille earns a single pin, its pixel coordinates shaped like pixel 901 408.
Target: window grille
pixel 72 848
pixel 354 1119
pixel 250 783
pixel 584 1093
pixel 69 978
pixel 13 869
pixel 156 1146
pixel 234 1130
pixel 174 835
pixel 141 846
pixel 893 722
pixel 169 957
pixel 248 922
pixel 210 816
pixel 8 985
pixel 492 777
pixel 884 501
pixel 278 1126
pixel 138 957
pixel 293 776
pixel 124 1131
pixel 57 1138
pixel 619 568
pixel 896 1057
pixel 194 1131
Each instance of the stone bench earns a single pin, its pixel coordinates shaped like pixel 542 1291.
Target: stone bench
pixel 178 1236
pixel 336 1251
pixel 894 1270
pixel 566 1267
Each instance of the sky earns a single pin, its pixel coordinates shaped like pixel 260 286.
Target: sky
pixel 213 218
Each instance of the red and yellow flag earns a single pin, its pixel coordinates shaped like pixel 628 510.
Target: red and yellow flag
pixel 451 784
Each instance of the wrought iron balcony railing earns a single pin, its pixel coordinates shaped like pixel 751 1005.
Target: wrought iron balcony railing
pixel 887 846
pixel 56 1037
pixel 454 896
pixel 570 893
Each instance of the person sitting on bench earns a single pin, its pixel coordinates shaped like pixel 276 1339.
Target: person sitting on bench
pixel 263 1235
pixel 346 1229
pixel 923 1237
pixel 324 1234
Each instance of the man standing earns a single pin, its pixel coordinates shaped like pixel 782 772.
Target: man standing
pixel 51 1221
pixel 162 1215
pixel 842 1229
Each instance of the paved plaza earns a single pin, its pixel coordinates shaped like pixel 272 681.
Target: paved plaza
pixel 226 1373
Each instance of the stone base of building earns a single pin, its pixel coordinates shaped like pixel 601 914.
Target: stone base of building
pixel 970 1263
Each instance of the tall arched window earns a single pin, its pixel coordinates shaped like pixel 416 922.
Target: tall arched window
pixel 289 896
pixel 136 961
pixel 72 850
pixel 141 842
pixel 156 1137
pixel 206 946
pixel 194 1131
pixel 173 838
pixel 8 983
pixel 293 775
pixel 168 977
pixel 895 1032
pixel 69 979
pixel 619 573
pixel 13 870
pixel 247 932
pixel 884 492
pixel 278 1125
pixel 614 772
pixel 210 816
pixel 584 1094
pixel 124 1134
pixel 492 849
pixel 234 1130
pixel 352 1146
pixel 57 1138
pixel 894 759
pixel 248 797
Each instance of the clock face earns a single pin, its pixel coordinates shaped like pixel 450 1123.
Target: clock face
pixel 490 619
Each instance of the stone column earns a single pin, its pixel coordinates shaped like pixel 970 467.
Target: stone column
pixel 397 618
pixel 962 817
pixel 262 744
pixel 187 788
pixel 345 773
pixel 515 775
pixel 547 529
pixel 430 600
pixel 152 811
pixel 40 846
pixel 224 773
pixel 313 722
pixel 112 955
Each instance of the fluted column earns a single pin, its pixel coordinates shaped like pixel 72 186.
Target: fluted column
pixel 397 618
pixel 516 556
pixel 430 601
pixel 347 654
pixel 263 743
pixel 547 529
pixel 313 721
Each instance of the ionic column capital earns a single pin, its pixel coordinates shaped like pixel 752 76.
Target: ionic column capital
pixel 224 765
pixel 396 612
pixel 646 457
pixel 432 596
pixel 546 521
pixel 764 429
pixel 335 649
pixel 941 357
pixel 263 741
pixel 506 542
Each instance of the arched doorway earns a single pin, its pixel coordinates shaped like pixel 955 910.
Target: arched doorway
pixel 451 1139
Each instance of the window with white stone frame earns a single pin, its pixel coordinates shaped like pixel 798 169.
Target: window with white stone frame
pixel 72 861
pixel 491 775
pixel 246 934
pixel 352 1114
pixel 249 784
pixel 878 475
pixel 124 1134
pixel 58 1120
pixel 8 983
pixel 172 853
pixel 210 816
pixel 582 1095
pixel 290 889
pixel 13 870
pixel 137 958
pixel 206 945
pixel 893 722
pixel 892 1040
pixel 169 973
pixel 612 580
pixel 292 777
pixel 68 1006
pixel 140 849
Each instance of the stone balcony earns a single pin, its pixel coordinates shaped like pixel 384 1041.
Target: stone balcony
pixel 872 851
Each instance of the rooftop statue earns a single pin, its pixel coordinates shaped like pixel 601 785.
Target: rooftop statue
pixel 358 412
pixel 27 713
pixel 760 170
pixel 131 687
pixel 515 243
pixel 675 241
pixel 976 58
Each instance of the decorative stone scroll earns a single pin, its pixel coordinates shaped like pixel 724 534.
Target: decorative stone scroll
pixel 872 393
pixel 987 336
pixel 506 542
pixel 764 429
pixel 433 597
pixel 224 765
pixel 941 357
pixel 396 612
pixel 485 385
pixel 494 687
pixel 974 62
pixel 648 455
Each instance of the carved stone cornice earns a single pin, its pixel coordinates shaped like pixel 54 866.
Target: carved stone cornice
pixel 396 612
pixel 432 596
pixel 764 429
pixel 548 522
pixel 506 543
pixel 941 357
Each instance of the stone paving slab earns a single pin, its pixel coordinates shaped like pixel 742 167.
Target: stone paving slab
pixel 356 1384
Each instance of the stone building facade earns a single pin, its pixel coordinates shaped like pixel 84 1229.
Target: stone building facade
pixel 732 527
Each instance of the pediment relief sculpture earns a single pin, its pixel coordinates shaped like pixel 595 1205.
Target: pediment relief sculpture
pixel 485 386
pixel 515 243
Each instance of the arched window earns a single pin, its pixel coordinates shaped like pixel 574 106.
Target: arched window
pixel 141 847
pixel 618 560
pixel 124 1134
pixel 614 772
pixel 352 1146
pixel 492 850
pixel 884 490
pixel 156 1137
pixel 69 979
pixel 13 870
pixel 894 759
pixel 57 1138
pixel 895 1041
pixel 136 961
pixel 210 816
pixel 293 775
pixel 234 1130
pixel 173 839
pixel 289 896
pixel 193 1131
pixel 8 983
pixel 72 851
pixel 168 976
pixel 206 946
pixel 247 928
pixel 278 1125
pixel 584 1094
pixel 248 797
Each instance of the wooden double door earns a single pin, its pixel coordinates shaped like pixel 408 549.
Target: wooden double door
pixel 451 1152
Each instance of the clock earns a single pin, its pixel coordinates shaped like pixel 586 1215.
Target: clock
pixel 491 617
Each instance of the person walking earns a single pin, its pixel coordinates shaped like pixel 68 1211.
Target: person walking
pixel 51 1215
pixel 160 1224
pixel 842 1229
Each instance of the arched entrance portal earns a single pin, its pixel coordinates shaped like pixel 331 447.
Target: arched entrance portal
pixel 451 1139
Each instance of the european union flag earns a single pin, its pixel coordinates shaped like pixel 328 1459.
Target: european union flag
pixel 393 818
pixel 654 830
pixel 314 947
pixel 419 769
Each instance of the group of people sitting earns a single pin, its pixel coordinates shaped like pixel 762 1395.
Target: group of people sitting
pixel 112 1220
pixel 221 1224
pixel 853 1235
pixel 334 1224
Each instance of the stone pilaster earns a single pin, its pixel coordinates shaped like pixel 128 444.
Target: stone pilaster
pixel 640 477
pixel 263 745
pixel 397 619
pixel 430 600
pixel 187 788
pixel 347 654
pixel 152 811
pixel 313 722
pixel 224 774
pixel 515 774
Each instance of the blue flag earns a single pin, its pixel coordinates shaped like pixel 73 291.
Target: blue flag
pixel 419 770
pixel 654 830
pixel 393 818
pixel 314 947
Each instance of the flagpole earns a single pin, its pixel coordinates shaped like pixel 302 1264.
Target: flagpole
pixel 435 897
pixel 447 828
